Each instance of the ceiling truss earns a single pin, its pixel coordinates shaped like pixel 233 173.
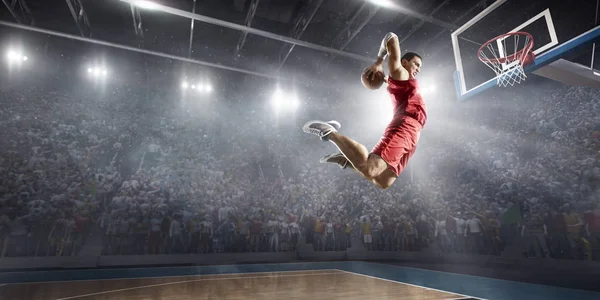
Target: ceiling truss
pixel 20 11
pixel 248 22
pixel 80 17
pixel 302 21
pixel 22 14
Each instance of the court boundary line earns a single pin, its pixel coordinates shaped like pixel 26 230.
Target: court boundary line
pixel 157 277
pixel 480 277
pixel 413 285
pixel 177 267
pixel 190 281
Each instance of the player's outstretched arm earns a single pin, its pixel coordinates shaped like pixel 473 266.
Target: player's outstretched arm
pixel 390 48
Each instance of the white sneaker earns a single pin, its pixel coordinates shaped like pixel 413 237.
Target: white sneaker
pixel 336 158
pixel 320 128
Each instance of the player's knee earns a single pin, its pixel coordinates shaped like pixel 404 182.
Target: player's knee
pixel 373 167
pixel 383 184
pixel 369 171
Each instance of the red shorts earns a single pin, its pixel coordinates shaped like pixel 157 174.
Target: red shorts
pixel 398 143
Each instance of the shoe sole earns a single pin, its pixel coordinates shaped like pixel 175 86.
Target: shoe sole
pixel 335 124
pixel 324 159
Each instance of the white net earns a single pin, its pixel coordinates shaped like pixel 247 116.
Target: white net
pixel 511 76
pixel 505 55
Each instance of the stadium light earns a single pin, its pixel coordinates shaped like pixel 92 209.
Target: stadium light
pixel 284 102
pixel 277 99
pixel 11 54
pixel 146 4
pixel 15 57
pixel 202 86
pixel 96 72
pixel 383 3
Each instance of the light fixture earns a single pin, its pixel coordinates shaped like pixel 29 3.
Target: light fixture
pixel 145 4
pixel 15 56
pixel 384 3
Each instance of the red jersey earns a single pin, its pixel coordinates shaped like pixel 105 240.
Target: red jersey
pixel 406 99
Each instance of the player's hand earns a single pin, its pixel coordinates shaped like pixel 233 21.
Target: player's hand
pixel 370 71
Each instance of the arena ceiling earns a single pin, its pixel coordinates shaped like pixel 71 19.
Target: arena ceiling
pixel 352 26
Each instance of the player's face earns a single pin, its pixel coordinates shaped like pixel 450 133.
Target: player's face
pixel 413 66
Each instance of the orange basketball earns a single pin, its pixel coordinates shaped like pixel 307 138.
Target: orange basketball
pixel 373 83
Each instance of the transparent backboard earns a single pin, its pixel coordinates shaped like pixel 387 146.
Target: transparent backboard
pixel 560 29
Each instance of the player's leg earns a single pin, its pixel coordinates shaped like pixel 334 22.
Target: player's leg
pixel 387 178
pixel 370 166
pixel 337 158
pixel 356 153
pixel 399 139
pixel 383 181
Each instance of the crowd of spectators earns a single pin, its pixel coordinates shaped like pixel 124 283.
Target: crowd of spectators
pixel 150 179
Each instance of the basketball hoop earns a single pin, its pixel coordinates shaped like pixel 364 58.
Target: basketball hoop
pixel 507 62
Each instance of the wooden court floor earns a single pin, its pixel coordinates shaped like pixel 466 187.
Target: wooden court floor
pixel 321 284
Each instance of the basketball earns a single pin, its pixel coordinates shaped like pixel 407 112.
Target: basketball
pixel 372 83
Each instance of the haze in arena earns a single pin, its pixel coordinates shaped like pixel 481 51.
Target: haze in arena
pixel 299 149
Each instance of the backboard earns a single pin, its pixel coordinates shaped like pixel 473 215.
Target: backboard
pixel 562 30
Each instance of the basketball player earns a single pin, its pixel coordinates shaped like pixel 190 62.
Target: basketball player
pixel 399 141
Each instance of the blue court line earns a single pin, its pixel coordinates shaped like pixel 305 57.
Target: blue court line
pixel 482 287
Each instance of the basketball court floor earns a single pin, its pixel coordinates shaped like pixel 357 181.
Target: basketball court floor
pixel 556 35
pixel 330 280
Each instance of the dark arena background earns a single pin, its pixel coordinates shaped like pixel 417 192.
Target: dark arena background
pixel 154 150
